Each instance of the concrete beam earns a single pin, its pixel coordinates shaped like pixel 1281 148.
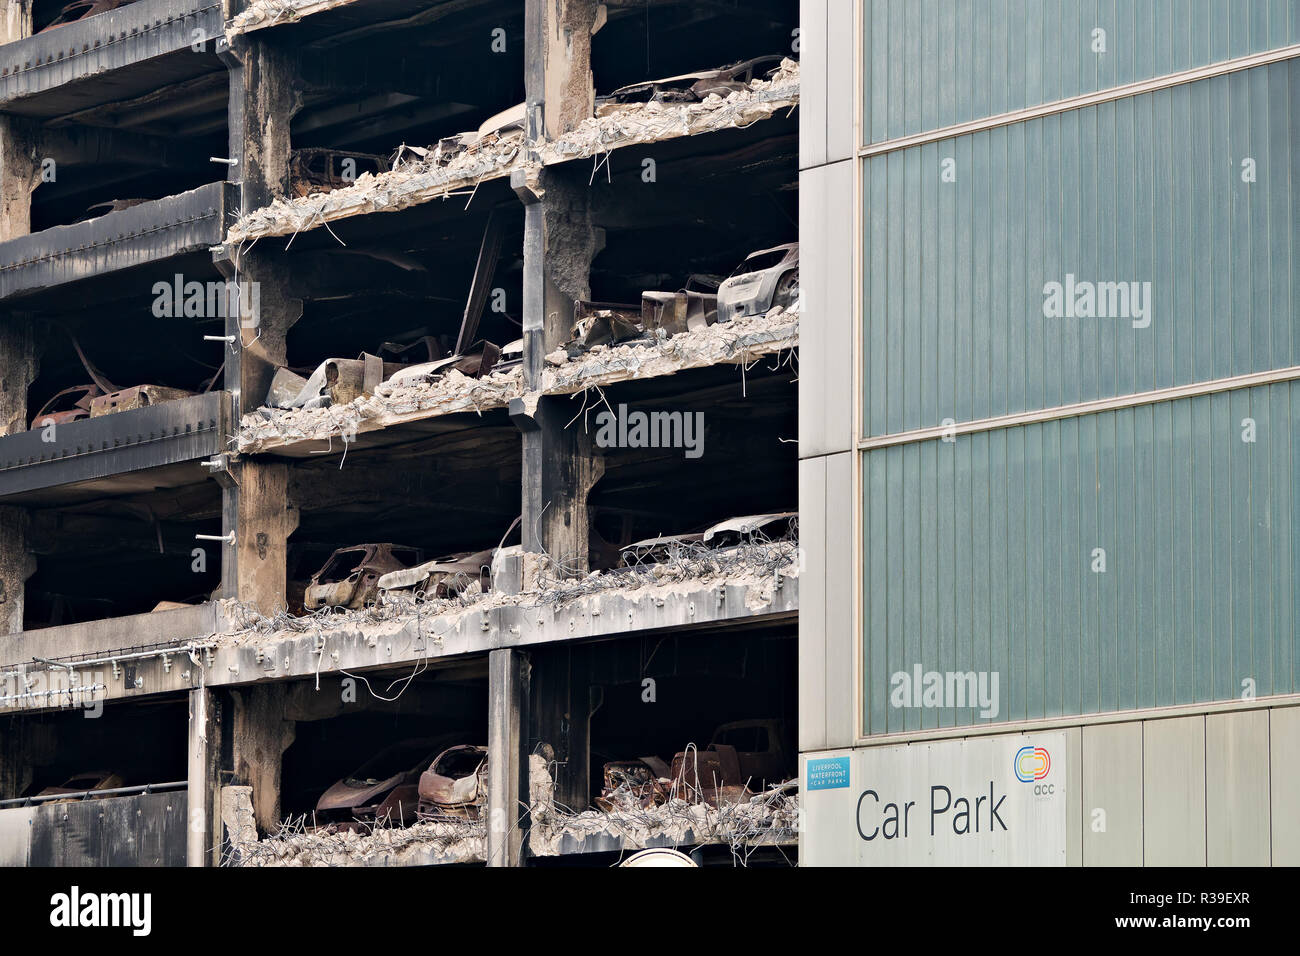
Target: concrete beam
pixel 558 52
pixel 265 95
pixel 508 689
pixel 15 21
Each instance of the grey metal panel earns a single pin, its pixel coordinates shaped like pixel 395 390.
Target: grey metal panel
pixel 812 83
pixel 175 431
pixel 840 78
pixel 934 63
pixel 15 835
pixel 90 48
pixel 150 232
pixel 1142 190
pixel 1112 795
pixel 1236 789
pixel 979 557
pixel 1076 820
pixel 148 829
pixel 814 670
pixel 1284 784
pixel 826 333
pixel 843 723
pixel 1173 792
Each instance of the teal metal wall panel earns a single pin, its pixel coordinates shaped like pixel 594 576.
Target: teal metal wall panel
pixel 979 556
pixel 936 63
pixel 1148 189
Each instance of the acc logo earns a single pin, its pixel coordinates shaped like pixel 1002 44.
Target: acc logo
pixel 1032 763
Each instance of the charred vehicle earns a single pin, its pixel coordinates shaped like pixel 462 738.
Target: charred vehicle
pixel 634 784
pixel 445 577
pixel 83 786
pixel 384 788
pixel 350 578
pixel 724 534
pixel 316 170
pixel 70 405
pixel 455 785
pixel 767 278
pixel 689 87
pixel 81 9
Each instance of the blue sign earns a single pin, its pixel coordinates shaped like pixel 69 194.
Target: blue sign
pixel 828 773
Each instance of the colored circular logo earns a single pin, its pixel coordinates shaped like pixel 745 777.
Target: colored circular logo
pixel 1032 763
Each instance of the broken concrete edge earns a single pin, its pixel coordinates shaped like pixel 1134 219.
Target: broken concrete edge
pixel 419 183
pixel 740 342
pixel 769 819
pixel 657 122
pixel 450 394
pixel 299 844
pixel 261 14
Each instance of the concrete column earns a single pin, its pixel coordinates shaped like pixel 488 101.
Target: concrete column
pixel 19 365
pixel 265 94
pixel 560 712
pixel 17 564
pixel 203 845
pixel 261 736
pixel 560 464
pixel 20 171
pixel 558 50
pixel 262 518
pixel 16 21
pixel 508 695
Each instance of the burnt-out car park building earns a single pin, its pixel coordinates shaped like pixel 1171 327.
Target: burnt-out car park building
pixel 398 432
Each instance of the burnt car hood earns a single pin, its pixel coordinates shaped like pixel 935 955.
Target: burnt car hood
pixel 345 796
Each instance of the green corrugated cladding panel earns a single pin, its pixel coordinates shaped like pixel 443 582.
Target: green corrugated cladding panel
pixel 1194 189
pixel 935 63
pixel 980 556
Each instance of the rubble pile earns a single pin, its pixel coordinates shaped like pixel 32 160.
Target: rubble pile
pixel 659 121
pixel 759 563
pixel 739 341
pixel 299 844
pixel 410 183
pixel 450 393
pixel 765 819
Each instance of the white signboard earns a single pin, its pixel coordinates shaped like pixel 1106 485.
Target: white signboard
pixel 984 801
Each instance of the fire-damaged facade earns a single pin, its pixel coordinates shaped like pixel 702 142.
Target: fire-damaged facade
pixel 399 431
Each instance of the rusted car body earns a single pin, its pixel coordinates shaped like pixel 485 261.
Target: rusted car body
pixel 384 788
pixel 743 757
pixel 69 405
pixel 688 87
pixel 317 170
pixel 604 323
pixel 350 578
pixel 634 784
pixel 141 396
pixel 455 785
pixel 767 278
pixel 80 9
pixel 444 577
pixel 82 783
pixel 477 360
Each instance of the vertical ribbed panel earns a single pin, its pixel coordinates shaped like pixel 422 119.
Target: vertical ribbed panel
pixel 934 63
pixel 1144 189
pixel 980 552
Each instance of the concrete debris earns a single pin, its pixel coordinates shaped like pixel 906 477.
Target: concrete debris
pixel 758 565
pixel 738 342
pixel 390 405
pixel 416 180
pixel 421 175
pixel 656 121
pixel 767 819
pixel 268 13
pixel 300 844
